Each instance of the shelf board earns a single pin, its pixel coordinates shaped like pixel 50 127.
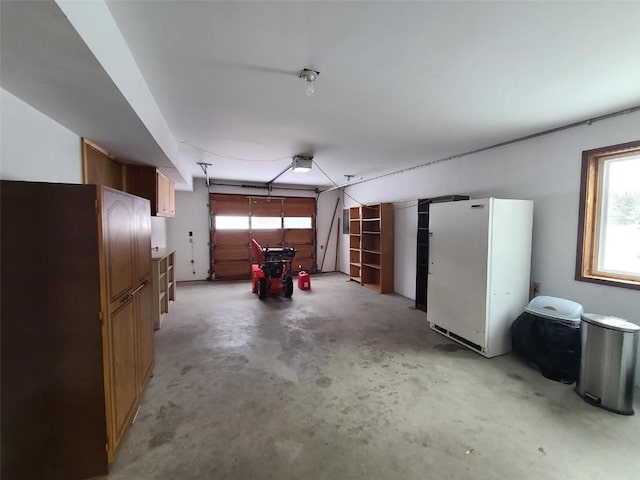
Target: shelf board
pixel 355 264
pixel 370 251
pixel 375 233
pixel 170 267
pixel 371 265
pixel 354 249
pixel 355 234
pixel 373 286
pixel 377 219
pixel 163 274
pixel 356 279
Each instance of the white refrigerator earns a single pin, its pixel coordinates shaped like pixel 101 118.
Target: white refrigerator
pixel 479 270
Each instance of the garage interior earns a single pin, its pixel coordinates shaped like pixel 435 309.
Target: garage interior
pixel 196 116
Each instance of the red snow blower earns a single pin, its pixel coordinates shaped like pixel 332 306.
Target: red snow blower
pixel 272 273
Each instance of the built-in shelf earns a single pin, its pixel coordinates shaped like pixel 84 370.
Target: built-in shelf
pixel 371 265
pixel 163 283
pixel 373 286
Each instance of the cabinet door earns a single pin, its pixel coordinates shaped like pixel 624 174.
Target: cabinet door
pixel 172 199
pixel 163 195
pixel 124 382
pixel 118 237
pixel 145 326
pixel 142 225
pixel 118 240
pixel 458 250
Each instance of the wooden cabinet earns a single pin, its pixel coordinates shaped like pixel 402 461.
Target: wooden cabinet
pixel 100 168
pixel 152 184
pixel 371 246
pixel 163 283
pixel 77 333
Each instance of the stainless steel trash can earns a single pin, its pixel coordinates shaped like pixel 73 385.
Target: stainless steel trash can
pixel 608 364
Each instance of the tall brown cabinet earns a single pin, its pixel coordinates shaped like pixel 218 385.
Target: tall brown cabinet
pixel 76 325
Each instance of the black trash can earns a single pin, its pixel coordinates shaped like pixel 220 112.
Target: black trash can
pixel 547 336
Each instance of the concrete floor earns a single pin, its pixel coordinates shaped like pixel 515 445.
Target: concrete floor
pixel 342 383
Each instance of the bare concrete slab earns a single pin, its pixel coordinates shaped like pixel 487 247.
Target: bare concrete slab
pixel 343 383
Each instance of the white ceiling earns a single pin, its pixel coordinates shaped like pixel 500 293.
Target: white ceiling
pixel 400 82
pixel 46 63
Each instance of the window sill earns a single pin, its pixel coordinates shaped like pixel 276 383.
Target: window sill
pixel 611 281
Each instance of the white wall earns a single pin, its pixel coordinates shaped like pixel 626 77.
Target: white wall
pixel 545 169
pixel 34 147
pixel 326 206
pixel 192 215
pixel 159 232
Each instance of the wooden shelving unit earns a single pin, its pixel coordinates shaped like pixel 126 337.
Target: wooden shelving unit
pixel 355 243
pixel 371 246
pixel 163 283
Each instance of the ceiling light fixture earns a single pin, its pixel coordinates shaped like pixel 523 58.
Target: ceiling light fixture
pixel 309 76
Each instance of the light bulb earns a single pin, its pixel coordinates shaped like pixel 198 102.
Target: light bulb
pixel 311 89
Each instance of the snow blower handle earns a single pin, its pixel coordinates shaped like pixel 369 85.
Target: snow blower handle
pixel 257 251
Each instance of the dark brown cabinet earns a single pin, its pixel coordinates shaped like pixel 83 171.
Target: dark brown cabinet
pixel 152 184
pixel 77 330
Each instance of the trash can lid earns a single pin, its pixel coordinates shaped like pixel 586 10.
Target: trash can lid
pixel 612 323
pixel 555 308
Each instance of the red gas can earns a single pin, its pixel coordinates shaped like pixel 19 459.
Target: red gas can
pixel 304 281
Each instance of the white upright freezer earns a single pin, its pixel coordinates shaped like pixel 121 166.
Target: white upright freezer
pixel 479 270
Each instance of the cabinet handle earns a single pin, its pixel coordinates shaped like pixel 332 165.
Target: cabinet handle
pixel 131 295
pixel 140 287
pixel 126 298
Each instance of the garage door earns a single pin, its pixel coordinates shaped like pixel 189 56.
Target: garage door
pixel 272 221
